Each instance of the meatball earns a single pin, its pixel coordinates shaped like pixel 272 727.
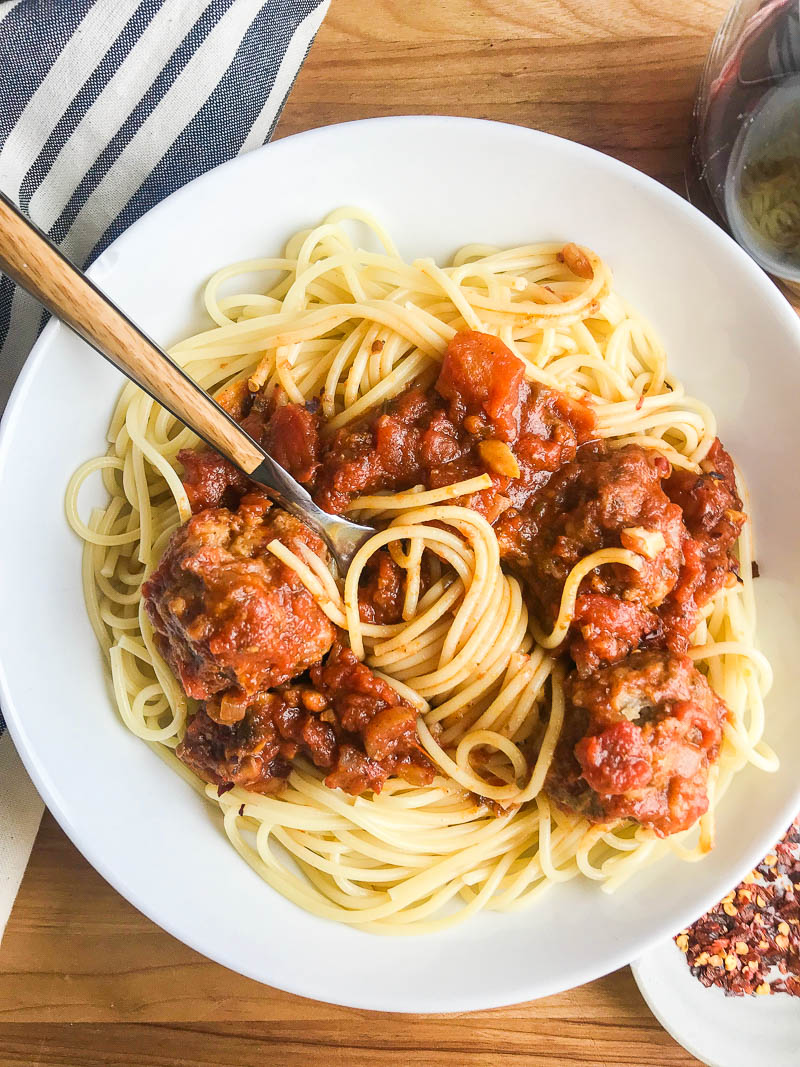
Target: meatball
pixel 347 721
pixel 637 743
pixel 605 498
pixel 712 513
pixel 227 614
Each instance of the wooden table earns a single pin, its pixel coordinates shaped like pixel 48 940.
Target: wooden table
pixel 85 979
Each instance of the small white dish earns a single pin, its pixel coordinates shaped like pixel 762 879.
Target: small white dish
pixel 720 1030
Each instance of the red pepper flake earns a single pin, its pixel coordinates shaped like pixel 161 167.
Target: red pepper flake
pixel 224 788
pixel 754 931
pixel 241 809
pixel 755 570
pixel 639 403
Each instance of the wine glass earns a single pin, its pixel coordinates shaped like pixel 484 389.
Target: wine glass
pixel 744 166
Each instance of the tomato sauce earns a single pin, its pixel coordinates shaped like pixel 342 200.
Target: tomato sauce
pixel 642 726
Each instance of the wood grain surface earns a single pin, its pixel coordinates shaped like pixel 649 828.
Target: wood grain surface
pixel 84 978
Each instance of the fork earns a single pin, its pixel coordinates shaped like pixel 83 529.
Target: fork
pixel 31 259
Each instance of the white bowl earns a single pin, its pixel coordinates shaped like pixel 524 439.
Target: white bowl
pixel 437 183
pixel 721 1031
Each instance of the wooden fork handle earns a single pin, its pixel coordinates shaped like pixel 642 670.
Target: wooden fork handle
pixel 32 260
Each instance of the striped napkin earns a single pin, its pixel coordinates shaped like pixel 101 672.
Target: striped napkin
pixel 106 107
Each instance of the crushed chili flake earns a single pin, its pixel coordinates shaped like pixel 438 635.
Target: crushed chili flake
pixel 241 809
pixel 750 942
pixel 754 569
pixel 224 788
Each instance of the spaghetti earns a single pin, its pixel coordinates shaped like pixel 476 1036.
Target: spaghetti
pixel 356 327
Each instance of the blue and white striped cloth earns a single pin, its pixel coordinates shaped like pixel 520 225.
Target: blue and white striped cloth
pixel 106 107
